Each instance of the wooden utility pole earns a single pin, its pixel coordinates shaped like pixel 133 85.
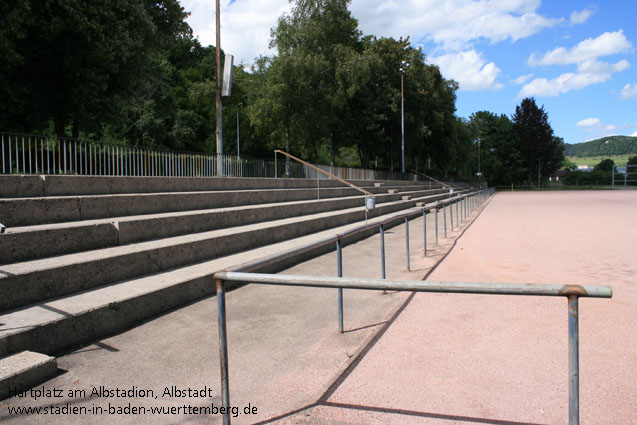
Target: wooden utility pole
pixel 218 94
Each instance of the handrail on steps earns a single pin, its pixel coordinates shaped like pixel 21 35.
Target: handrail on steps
pixel 319 170
pixel 431 178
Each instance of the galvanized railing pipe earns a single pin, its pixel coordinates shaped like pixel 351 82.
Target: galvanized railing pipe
pixel 573 359
pixel 261 263
pixel 382 251
pixel 223 346
pixel 572 292
pixel 444 216
pixel 339 272
pixel 424 230
pixel 457 213
pixel 407 243
pixel 437 208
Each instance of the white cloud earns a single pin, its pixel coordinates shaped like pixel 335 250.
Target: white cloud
pixel 589 69
pixel 579 17
pixel 594 126
pixel 606 44
pixel 469 69
pixel 600 68
pixel 588 122
pixel 629 90
pixel 634 134
pixel 570 81
pixel 245 25
pixel 522 79
pixel 453 24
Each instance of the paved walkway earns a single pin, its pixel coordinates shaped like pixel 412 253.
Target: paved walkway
pixel 467 359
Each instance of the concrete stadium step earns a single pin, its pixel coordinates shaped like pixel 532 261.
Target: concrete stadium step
pixel 35 186
pixel 21 371
pixel 40 241
pixel 36 280
pixel 55 325
pixel 16 212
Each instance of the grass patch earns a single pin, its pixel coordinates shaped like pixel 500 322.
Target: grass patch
pixel 592 161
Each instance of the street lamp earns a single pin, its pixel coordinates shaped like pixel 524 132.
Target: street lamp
pixel 479 173
pixel 238 138
pixel 403 67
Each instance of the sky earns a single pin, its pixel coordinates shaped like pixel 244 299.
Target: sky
pixel 577 59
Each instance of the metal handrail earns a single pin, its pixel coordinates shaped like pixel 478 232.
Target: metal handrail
pixel 472 201
pixel 431 178
pixel 571 292
pixel 317 169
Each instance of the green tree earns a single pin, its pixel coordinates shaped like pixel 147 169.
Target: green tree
pixel 605 165
pixel 313 42
pixel 569 165
pixel 500 155
pixel 541 151
pixel 73 62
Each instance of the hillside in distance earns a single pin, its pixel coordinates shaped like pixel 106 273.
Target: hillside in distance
pixel 611 145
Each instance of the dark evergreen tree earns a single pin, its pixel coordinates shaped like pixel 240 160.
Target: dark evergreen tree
pixel 541 152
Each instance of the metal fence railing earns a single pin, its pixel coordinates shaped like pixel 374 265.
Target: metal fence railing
pixel 470 202
pixel 624 176
pixel 34 154
pixel 29 154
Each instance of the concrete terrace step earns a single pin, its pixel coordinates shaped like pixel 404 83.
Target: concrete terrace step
pixel 14 186
pixel 56 209
pixel 58 324
pixel 39 241
pixel 37 280
pixel 21 371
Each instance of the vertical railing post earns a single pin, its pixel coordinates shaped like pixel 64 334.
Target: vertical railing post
pixel 451 215
pixel 339 271
pixel 466 208
pixel 382 251
pixel 407 242
pixel 424 230
pixel 444 216
pixel 436 207
pixel 458 213
pixel 573 360
pixel 223 350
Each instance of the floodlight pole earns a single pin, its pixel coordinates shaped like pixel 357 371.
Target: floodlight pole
pixel 479 174
pixel 219 131
pixel 402 112
pixel 238 138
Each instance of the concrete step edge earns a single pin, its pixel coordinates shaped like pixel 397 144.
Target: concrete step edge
pixel 24 370
pixel 33 211
pixel 68 185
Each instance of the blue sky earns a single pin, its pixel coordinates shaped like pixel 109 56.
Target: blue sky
pixel 577 59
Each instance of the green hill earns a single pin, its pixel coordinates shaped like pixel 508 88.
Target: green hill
pixel 606 146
